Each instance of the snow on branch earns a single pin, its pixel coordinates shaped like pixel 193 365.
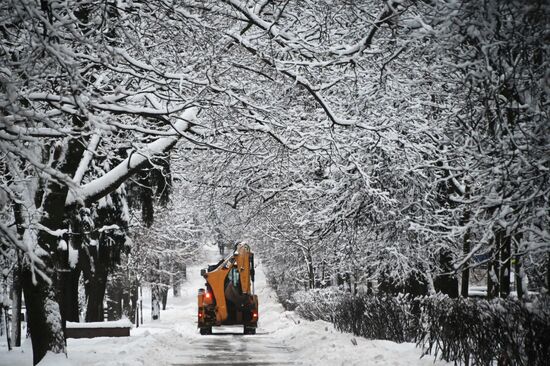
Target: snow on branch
pixel 115 177
pixel 86 159
pixel 365 43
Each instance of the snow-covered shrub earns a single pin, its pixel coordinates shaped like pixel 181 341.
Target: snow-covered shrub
pixel 390 318
pixel 318 303
pixel 498 331
pixel 284 293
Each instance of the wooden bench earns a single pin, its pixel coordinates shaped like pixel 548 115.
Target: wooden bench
pixel 118 328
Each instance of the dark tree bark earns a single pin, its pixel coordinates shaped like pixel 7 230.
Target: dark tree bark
pixel 146 198
pixel 164 296
pixel 69 294
pixel 310 270
pixel 466 247
pixel 446 283
pixel 16 305
pixel 130 296
pixel 114 299
pixel 71 304
pixel 518 268
pixel 46 318
pixel 43 314
pixel 416 284
pixel 505 267
pixel 156 295
pixel 162 178
pixel 493 287
pixel 95 274
pixel 17 289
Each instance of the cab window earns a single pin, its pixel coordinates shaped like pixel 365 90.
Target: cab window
pixel 234 277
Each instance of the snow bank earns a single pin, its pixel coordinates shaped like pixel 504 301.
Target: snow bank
pixel 55 359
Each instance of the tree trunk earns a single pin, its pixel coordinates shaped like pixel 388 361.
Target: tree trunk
pixel 70 298
pixel 164 283
pixel 466 247
pixel 310 270
pixel 465 284
pixel 492 274
pixel 114 299
pixel 518 270
pixel 505 257
pixel 130 296
pixel 94 310
pixel 445 283
pixel 17 288
pixel 44 315
pixel 1 321
pixel 155 302
pixel 140 302
pixel 96 276
pixel 4 316
pixel 164 296
pixel 16 305
pixel 176 285
pixel 146 198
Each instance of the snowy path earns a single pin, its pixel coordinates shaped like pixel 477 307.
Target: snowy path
pixel 234 349
pixel 227 345
pixel 282 339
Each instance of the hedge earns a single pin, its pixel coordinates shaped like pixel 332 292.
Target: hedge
pixel 484 332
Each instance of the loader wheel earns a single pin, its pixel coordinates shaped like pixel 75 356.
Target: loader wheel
pixel 248 330
pixel 205 331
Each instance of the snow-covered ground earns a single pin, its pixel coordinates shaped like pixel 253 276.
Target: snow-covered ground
pixel 282 338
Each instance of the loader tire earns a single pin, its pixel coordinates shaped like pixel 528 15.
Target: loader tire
pixel 205 331
pixel 248 330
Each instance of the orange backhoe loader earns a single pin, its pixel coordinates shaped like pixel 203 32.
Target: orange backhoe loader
pixel 228 298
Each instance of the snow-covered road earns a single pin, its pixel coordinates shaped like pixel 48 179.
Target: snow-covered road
pixel 282 338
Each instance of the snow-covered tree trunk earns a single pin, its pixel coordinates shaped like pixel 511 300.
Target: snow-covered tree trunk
pixel 156 292
pixel 44 314
pixel 176 286
pixel 155 302
pixel 43 297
